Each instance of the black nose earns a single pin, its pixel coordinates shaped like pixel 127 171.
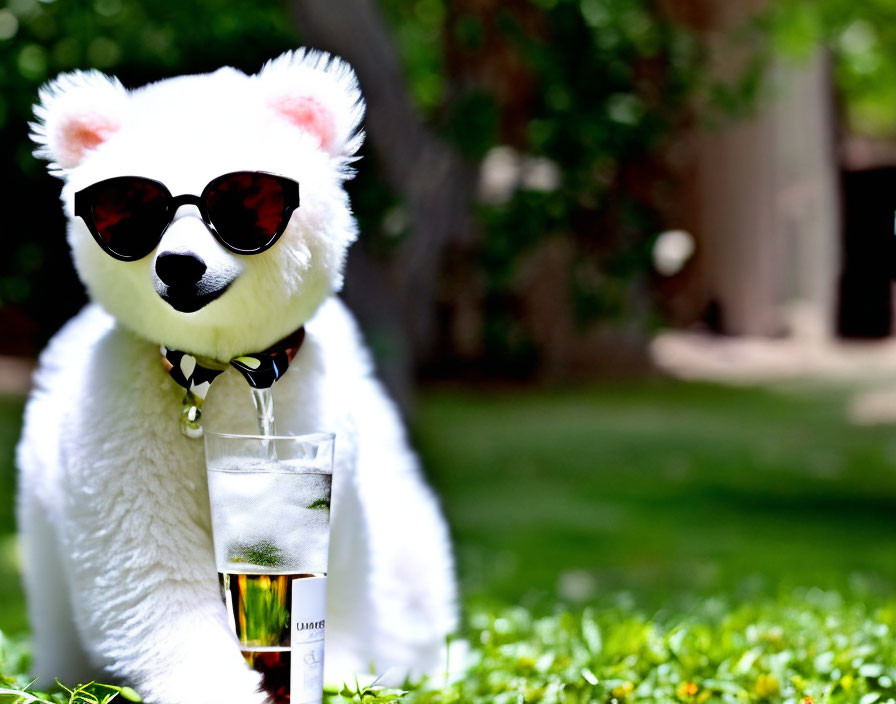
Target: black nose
pixel 179 269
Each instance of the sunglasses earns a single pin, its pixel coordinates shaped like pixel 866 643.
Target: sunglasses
pixel 246 211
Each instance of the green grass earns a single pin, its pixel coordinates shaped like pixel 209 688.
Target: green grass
pixel 12 601
pixel 647 542
pixel 665 489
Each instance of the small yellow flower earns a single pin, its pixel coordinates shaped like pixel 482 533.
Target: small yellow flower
pixel 623 690
pixel 687 689
pixel 847 682
pixel 767 686
pixel 807 700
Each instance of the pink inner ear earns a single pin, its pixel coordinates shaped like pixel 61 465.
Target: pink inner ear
pixel 79 135
pixel 308 114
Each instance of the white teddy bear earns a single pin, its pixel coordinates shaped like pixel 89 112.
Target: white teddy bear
pixel 113 499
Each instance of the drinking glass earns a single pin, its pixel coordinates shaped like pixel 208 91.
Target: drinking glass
pixel 270 501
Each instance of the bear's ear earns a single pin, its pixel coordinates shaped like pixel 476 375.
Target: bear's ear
pixel 317 93
pixel 77 112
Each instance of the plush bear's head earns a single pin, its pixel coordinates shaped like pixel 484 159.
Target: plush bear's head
pixel 298 117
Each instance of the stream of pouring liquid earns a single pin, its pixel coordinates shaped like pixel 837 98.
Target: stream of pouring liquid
pixel 264 412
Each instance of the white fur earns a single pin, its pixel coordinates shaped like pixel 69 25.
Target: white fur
pixel 88 102
pixel 113 503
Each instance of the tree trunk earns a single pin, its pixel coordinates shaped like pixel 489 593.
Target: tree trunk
pixel 435 184
pixel 764 198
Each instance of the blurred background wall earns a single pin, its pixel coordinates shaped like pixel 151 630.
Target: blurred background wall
pixel 546 183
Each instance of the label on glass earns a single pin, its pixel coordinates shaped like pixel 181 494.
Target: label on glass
pixel 309 605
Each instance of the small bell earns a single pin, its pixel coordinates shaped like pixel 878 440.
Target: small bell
pixel 191 416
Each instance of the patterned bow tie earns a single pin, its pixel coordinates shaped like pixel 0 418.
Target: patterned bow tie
pixel 196 374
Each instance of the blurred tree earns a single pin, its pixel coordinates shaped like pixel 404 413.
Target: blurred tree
pixel 763 186
pixel 862 37
pixel 516 169
pixel 861 40
pixel 563 106
pixel 432 181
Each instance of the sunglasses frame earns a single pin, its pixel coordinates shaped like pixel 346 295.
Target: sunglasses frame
pixel 84 210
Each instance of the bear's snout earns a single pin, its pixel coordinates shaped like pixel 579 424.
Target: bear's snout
pixel 184 281
pixel 179 269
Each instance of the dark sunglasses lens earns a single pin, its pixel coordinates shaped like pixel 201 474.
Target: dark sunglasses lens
pixel 247 209
pixel 129 214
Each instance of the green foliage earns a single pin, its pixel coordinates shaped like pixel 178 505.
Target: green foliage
pixel 862 39
pixel 17 688
pixel 373 693
pixel 41 39
pixel 811 644
pixel 593 88
pixel 804 646
pixel 601 86
pixel 90 693
pixel 600 113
